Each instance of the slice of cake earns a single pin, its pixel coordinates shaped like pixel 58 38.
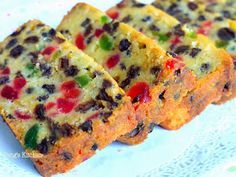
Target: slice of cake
pixel 211 66
pixel 213 25
pixel 154 80
pixel 60 104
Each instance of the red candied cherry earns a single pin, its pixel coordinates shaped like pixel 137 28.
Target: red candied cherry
pixel 49 50
pixel 6 71
pixel 140 92
pixel 69 89
pixel 113 61
pixel 9 93
pixel 50 105
pixel 79 41
pixel 22 115
pixel 68 85
pixel 176 40
pixel 114 14
pixel 205 27
pixel 98 32
pixel 19 83
pixel 170 64
pixel 64 105
pixel 73 93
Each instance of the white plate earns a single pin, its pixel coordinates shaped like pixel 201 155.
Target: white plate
pixel 205 147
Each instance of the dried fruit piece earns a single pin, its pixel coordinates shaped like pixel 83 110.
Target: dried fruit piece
pixel 31 137
pixel 113 61
pixel 140 92
pixel 83 80
pixel 105 42
pixel 79 41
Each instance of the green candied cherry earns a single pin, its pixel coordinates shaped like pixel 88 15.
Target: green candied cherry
pixel 105 19
pixel 83 80
pixel 221 44
pixel 192 35
pixel 106 42
pixel 32 69
pixel 162 37
pixel 31 137
pixel 56 55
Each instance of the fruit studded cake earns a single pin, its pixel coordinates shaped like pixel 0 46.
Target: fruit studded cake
pixel 211 66
pixel 218 28
pixel 58 102
pixel 150 76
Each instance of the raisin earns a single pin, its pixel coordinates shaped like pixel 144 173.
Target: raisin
pixel 125 83
pixel 111 27
pixel 227 86
pixel 181 49
pixel 87 126
pixel 67 156
pixel 16 51
pixel 124 45
pixel 89 39
pixel 106 84
pixel 155 70
pixel 105 116
pixel 173 9
pixel 67 130
pixel 147 18
pixel 29 90
pixel 205 67
pixel 138 4
pixel 53 139
pixel 201 18
pixel 122 66
pixel 31 40
pixel 118 96
pixel 219 19
pixel 43 146
pixel 9 116
pixel 161 96
pixel 195 52
pixel 140 127
pixel 192 6
pixel 104 96
pixel 83 108
pixel 178 72
pixel 226 34
pixel 4 80
pixel 33 57
pixel 94 147
pixel 17 32
pixel 88 30
pixel 11 43
pixel 85 22
pixel 178 30
pixel 59 39
pixel 127 19
pixel 42 98
pixel 71 71
pixel 52 32
pixel 133 72
pixel 49 87
pixel 151 127
pixel 45 69
pixel 154 28
pixel 39 111
pixel 226 14
pixel 64 63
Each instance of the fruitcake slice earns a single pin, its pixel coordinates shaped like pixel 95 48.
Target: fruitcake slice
pixel 154 80
pixel 213 25
pixel 60 104
pixel 210 65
